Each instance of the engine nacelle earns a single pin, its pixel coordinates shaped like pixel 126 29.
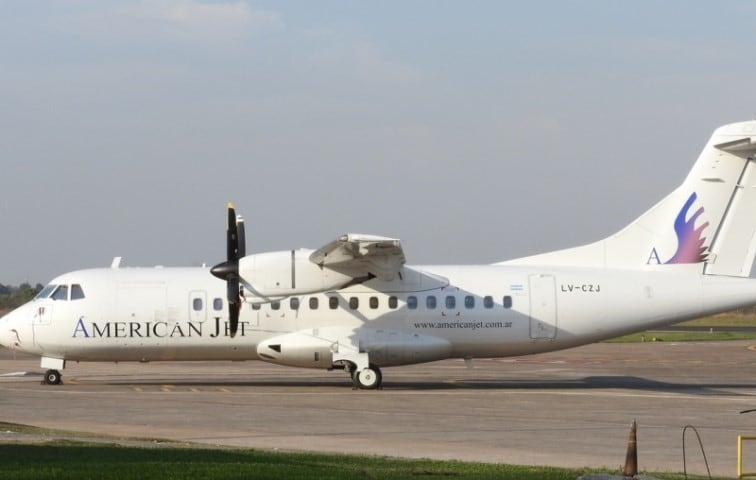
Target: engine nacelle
pixel 319 348
pixel 284 273
pixel 298 349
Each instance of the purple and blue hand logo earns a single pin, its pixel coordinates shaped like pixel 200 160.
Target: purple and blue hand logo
pixel 690 243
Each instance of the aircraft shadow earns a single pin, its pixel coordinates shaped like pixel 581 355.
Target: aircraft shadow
pixel 586 383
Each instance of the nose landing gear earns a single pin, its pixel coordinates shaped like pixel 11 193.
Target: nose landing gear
pixel 52 377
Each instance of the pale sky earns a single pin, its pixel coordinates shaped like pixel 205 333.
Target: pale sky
pixel 474 131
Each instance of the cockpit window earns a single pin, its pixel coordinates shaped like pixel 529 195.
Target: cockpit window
pixel 60 293
pixel 77 293
pixel 45 292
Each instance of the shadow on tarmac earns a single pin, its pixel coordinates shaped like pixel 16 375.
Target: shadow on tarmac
pixel 586 383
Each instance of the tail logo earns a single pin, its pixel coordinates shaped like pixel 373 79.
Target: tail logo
pixel 690 242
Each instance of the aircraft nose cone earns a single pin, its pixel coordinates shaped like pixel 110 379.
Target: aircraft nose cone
pixel 9 338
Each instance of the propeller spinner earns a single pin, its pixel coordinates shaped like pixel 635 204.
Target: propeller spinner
pixel 229 270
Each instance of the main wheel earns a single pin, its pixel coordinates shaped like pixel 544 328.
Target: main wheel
pixel 369 378
pixel 53 377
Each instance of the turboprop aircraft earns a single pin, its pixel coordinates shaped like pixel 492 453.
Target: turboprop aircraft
pixel 355 305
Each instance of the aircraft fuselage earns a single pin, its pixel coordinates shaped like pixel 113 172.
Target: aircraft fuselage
pixel 432 313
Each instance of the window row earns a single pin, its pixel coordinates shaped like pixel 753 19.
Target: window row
pixel 62 292
pixel 431 303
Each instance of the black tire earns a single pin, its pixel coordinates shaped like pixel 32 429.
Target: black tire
pixel 369 378
pixel 53 377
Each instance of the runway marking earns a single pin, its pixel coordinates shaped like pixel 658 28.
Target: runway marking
pixel 195 390
pixel 167 388
pixel 224 390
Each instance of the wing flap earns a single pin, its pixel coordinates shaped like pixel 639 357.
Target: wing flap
pixel 361 255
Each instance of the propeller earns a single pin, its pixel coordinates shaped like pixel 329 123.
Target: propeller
pixel 229 270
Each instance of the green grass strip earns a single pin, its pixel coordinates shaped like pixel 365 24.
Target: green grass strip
pixel 664 336
pixel 75 460
pixel 68 460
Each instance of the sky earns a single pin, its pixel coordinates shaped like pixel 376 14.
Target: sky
pixel 473 131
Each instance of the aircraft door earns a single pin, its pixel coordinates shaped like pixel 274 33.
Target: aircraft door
pixel 41 319
pixel 543 311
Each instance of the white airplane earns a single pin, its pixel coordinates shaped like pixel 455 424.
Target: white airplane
pixel 354 304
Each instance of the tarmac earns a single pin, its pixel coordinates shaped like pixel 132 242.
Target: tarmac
pixel 571 408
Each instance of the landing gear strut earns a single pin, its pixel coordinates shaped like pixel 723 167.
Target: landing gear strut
pixel 52 377
pixel 367 379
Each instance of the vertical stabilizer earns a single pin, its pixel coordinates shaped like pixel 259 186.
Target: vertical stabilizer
pixel 708 222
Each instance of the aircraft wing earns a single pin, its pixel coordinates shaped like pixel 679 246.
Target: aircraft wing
pixel 361 256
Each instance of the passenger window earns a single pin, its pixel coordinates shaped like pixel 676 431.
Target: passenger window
pixel 275 305
pixel 469 301
pixel 354 303
pixel 412 302
pixel 451 301
pixel 507 301
pixel 393 302
pixel 430 302
pixel 77 293
pixel 217 304
pixel 197 304
pixel 313 303
pixel 488 301
pixel 294 303
pixel 373 302
pixel 333 303
pixel 61 293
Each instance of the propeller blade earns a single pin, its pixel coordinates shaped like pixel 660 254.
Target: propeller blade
pixel 241 247
pixel 232 236
pixel 234 304
pixel 229 270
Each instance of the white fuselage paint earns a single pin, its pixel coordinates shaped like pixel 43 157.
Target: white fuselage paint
pixel 149 314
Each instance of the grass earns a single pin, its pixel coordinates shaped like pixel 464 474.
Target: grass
pixel 74 460
pixel 722 320
pixel 667 336
pixel 717 325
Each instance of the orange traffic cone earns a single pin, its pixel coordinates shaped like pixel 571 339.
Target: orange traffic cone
pixel 631 459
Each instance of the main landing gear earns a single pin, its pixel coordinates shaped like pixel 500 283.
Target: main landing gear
pixel 52 377
pixel 367 379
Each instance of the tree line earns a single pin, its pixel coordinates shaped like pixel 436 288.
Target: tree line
pixel 12 297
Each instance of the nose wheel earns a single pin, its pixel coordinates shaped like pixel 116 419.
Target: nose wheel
pixel 52 377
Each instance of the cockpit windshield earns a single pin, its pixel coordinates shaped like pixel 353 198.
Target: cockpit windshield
pixel 61 292
pixel 45 292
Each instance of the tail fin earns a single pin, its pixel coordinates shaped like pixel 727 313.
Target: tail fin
pixel 708 222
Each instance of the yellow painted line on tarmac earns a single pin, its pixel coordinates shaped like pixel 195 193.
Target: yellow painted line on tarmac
pixel 195 390
pixel 167 388
pixel 137 389
pixel 225 390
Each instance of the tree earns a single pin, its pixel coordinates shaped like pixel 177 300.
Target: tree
pixel 12 297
